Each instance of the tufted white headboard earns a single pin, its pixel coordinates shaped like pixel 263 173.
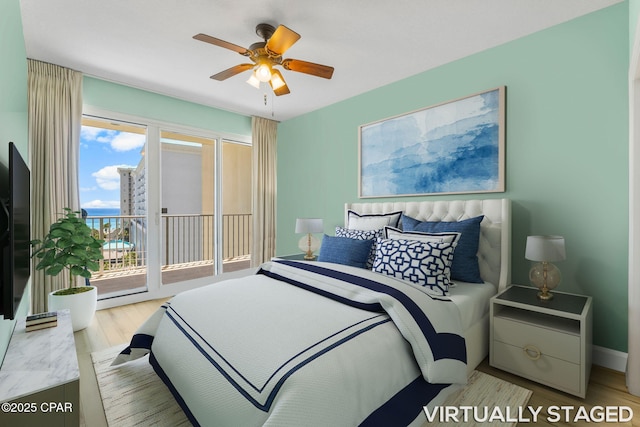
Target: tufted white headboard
pixel 494 251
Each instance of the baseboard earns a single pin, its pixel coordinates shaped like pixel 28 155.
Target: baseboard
pixel 608 358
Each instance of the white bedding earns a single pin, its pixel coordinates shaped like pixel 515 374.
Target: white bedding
pixel 269 350
pixel 374 370
pixel 472 300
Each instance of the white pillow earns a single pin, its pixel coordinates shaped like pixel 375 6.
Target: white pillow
pixel 422 236
pixel 356 221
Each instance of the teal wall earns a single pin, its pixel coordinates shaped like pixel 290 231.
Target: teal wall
pixel 567 145
pixel 124 99
pixel 13 113
pixel 13 80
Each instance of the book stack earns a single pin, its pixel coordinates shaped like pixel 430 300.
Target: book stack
pixel 41 321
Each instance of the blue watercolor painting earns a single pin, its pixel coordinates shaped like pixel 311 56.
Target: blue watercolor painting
pixel 455 147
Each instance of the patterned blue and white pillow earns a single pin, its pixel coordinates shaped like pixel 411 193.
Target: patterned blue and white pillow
pixel 426 264
pixel 362 235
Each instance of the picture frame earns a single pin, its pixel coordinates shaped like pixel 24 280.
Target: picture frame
pixel 455 147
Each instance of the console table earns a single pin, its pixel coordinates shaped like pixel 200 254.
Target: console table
pixel 40 377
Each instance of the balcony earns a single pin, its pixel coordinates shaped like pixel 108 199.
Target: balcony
pixel 188 249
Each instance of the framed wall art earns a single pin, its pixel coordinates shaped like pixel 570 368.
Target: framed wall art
pixel 451 148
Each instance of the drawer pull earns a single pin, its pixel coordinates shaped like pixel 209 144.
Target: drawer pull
pixel 532 352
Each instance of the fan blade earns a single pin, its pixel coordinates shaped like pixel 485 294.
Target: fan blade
pixel 318 70
pixel 278 84
pixel 230 72
pixel 208 39
pixel 282 91
pixel 281 40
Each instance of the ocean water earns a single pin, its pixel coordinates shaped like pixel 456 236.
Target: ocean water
pixel 106 214
pixel 102 211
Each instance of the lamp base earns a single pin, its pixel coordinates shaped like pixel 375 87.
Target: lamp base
pixel 308 244
pixel 545 295
pixel 546 277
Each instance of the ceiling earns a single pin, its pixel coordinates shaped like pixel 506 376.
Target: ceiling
pixel 148 44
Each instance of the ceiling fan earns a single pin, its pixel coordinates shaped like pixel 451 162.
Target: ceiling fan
pixel 265 55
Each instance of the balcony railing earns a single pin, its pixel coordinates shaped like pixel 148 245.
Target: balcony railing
pixel 187 239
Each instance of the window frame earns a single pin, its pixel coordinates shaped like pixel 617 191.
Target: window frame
pixel 155 288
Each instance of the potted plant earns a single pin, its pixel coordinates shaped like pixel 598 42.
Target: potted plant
pixel 70 245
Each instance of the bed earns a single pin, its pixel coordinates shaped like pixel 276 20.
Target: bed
pixel 494 256
pixel 319 343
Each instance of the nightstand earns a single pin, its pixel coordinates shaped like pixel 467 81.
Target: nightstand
pixel 294 257
pixel 545 341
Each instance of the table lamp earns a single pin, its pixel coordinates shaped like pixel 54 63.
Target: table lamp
pixel 309 243
pixel 544 275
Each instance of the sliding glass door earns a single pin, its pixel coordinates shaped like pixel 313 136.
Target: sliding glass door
pixel 187 199
pixel 172 204
pixel 113 200
pixel 206 206
pixel 236 209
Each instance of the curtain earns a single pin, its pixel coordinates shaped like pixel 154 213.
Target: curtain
pixel 264 138
pixel 55 114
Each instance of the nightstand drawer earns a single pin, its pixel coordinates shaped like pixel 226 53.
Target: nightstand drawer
pixel 549 342
pixel 546 369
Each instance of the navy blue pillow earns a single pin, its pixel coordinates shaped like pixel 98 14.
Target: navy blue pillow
pixel 343 250
pixel 465 260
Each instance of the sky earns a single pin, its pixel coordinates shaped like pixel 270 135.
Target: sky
pixel 102 152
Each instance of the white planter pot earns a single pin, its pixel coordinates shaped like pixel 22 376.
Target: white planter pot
pixel 82 306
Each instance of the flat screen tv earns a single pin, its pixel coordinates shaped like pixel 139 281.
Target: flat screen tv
pixel 16 248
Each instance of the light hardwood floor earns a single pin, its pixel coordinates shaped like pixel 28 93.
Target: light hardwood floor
pixel 116 326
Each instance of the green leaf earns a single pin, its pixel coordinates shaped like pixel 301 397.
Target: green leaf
pixel 93 266
pixel 78 240
pixel 78 271
pixel 65 243
pixel 59 232
pixel 73 260
pixel 48 258
pixel 54 270
pixel 79 251
pixel 85 273
pixel 67 226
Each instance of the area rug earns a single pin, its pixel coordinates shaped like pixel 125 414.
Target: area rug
pixel 133 395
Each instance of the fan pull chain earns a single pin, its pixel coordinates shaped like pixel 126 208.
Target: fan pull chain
pixel 265 99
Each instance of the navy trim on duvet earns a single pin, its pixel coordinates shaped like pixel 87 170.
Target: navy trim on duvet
pixel 163 376
pixel 183 325
pixel 139 341
pixel 364 306
pixel 405 406
pixel 445 345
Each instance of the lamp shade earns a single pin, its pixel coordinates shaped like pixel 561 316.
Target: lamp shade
pixel 309 225
pixel 545 248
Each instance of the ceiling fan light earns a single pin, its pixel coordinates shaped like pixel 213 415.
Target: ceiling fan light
pixel 276 80
pixel 263 73
pixel 253 80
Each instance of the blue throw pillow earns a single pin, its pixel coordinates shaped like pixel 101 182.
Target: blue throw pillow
pixel 362 235
pixel 343 250
pixel 465 262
